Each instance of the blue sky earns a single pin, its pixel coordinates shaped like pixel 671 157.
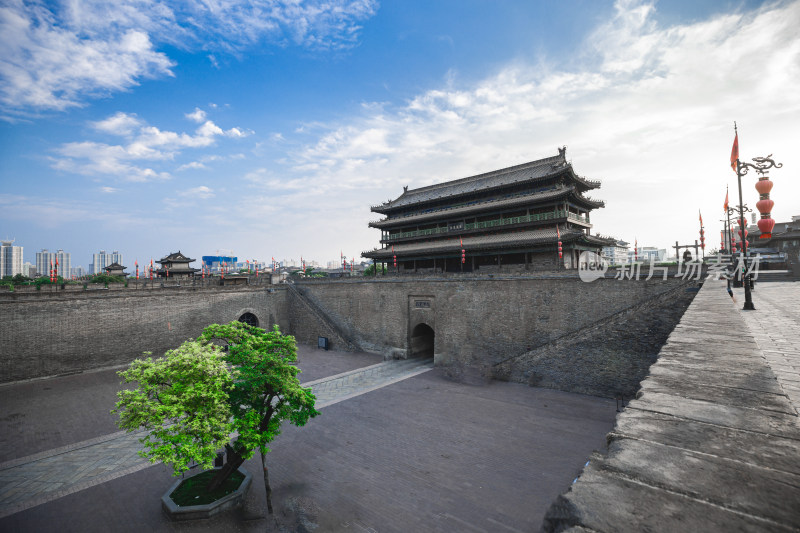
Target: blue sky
pixel 268 128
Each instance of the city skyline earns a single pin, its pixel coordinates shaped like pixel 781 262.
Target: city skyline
pixel 272 135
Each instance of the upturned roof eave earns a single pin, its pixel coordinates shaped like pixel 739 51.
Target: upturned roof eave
pixel 477 208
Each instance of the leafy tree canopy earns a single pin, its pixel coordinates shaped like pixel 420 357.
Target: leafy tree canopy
pixel 193 398
pixel 107 278
pixel 183 400
pixel 266 391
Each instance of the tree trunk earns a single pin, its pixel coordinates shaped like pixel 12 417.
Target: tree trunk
pixel 266 482
pixel 233 463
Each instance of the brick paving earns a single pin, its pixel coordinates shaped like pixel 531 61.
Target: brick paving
pixel 27 482
pixel 44 414
pixel 423 453
pixel 775 325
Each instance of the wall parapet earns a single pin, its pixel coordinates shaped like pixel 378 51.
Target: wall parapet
pixel 709 444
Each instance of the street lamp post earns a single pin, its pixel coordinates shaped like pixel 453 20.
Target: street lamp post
pixel 762 166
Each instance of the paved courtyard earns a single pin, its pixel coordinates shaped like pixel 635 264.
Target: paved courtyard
pixel 397 448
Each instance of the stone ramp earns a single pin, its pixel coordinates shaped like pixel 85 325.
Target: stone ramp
pixel 30 481
pixel 712 442
pixel 346 385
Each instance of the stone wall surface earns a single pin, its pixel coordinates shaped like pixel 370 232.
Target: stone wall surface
pixel 477 322
pixel 608 358
pixel 55 332
pixel 711 443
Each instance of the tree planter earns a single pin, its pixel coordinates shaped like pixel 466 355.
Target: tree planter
pixel 193 512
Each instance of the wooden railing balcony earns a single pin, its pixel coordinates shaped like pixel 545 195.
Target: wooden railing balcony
pixel 536 217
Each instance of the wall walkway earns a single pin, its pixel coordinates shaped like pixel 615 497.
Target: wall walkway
pixel 712 442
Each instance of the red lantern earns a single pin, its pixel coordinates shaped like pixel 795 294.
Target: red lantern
pixel 764 206
pixel 765 225
pixel 764 186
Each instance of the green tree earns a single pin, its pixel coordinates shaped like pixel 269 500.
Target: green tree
pixel 20 279
pixel 106 278
pixel 182 399
pixel 196 396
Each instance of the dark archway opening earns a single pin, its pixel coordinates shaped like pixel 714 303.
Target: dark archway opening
pixel 250 319
pixel 422 340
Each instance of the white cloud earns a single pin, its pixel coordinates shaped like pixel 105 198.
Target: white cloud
pixel 191 166
pixel 143 143
pixel 649 111
pixel 54 56
pixel 109 190
pixel 198 115
pixel 198 192
pixel 44 65
pixel 118 124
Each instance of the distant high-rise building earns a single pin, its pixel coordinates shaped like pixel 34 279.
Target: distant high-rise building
pixel 45 261
pixel 29 270
pixel 10 259
pixel 59 261
pixel 64 264
pixel 102 260
pixel 616 254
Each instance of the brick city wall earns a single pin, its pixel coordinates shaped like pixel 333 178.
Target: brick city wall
pixel 480 321
pixel 49 332
pixel 608 358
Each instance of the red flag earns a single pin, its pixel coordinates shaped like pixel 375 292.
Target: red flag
pixel 725 207
pixel 735 152
pixel 701 217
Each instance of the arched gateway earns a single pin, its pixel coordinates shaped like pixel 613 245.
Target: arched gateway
pixel 249 319
pixel 422 341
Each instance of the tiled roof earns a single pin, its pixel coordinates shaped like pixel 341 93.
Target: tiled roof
pixel 456 211
pixel 176 257
pixel 534 170
pixel 482 242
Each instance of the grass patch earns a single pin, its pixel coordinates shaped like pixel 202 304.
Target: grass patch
pixel 192 491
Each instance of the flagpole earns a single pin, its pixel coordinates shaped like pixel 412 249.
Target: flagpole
pixel 728 217
pixel 748 297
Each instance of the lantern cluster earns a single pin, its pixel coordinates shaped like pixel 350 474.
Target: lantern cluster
pixel 560 254
pixel 463 252
pixel 743 238
pixel 764 206
pixel 702 235
pixel 394 257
